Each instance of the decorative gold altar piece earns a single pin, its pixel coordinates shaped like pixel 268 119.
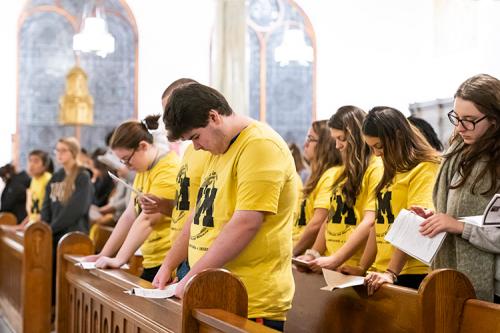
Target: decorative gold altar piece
pixel 76 106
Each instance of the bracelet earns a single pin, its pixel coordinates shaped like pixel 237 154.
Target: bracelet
pixel 313 253
pixel 393 274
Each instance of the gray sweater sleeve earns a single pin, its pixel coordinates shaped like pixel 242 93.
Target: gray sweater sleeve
pixel 486 239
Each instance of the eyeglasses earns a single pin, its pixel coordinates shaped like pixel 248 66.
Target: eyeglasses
pixel 60 151
pixel 127 160
pixel 469 125
pixel 310 138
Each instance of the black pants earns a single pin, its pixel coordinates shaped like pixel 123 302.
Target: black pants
pixel 277 325
pixel 149 273
pixel 410 280
pixel 496 299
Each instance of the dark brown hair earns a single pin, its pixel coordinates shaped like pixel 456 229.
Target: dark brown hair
pixel 297 157
pixel 484 92
pixel 403 144
pixel 130 133
pixel 349 119
pixel 188 107
pixel 325 155
pixel 45 158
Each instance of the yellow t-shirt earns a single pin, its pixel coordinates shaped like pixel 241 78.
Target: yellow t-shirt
pixel 407 189
pixel 37 194
pixel 342 220
pixel 187 185
pixel 256 173
pixel 318 198
pixel 160 181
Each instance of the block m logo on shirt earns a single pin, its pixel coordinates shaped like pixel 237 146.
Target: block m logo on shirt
pixel 340 210
pixel 205 201
pixel 384 209
pixel 182 195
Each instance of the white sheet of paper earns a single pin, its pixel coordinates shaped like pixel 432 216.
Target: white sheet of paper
pixel 336 280
pixel 91 265
pixel 138 193
pixel 169 291
pixel 405 235
pixel 94 213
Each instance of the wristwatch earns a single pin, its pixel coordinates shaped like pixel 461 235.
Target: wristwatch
pixel 313 253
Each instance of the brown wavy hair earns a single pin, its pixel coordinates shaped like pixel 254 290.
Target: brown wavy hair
pixel 483 91
pixel 130 133
pixel 349 119
pixel 69 180
pixel 325 155
pixel 403 144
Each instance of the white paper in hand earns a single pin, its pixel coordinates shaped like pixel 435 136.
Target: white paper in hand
pixel 168 292
pixel 405 235
pixel 138 193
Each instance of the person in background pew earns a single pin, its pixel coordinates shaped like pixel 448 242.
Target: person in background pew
pixel 156 168
pixel 325 161
pixel 469 177
pixel 300 164
pixel 40 168
pixel 187 185
pixel 244 212
pixel 103 184
pixel 13 198
pixel 427 131
pixel 410 168
pixel 352 201
pixel 68 196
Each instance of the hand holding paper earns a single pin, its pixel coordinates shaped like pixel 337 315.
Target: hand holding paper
pixel 168 292
pixel 138 193
pixel 336 280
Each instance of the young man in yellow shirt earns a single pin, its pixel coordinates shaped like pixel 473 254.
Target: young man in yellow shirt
pixel 244 211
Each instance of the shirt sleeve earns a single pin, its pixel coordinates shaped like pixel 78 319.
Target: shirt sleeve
pixel 324 192
pixel 421 185
pixel 262 171
pixel 372 179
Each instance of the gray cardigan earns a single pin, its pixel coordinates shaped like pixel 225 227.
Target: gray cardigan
pixel 476 251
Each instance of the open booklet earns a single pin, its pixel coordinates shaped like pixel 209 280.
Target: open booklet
pixel 91 265
pixel 491 216
pixel 405 235
pixel 138 193
pixel 336 280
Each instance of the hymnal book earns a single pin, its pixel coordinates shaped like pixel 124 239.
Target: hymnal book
pixel 300 263
pixel 91 265
pixel 491 216
pixel 404 234
pixel 336 280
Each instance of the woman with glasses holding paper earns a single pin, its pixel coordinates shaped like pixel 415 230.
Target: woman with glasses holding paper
pixel 325 161
pixel 156 170
pixel 469 177
pixel 352 202
pixel 410 168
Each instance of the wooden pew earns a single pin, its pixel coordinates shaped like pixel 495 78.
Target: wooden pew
pixel 445 303
pixel 94 300
pixel 26 276
pixel 7 218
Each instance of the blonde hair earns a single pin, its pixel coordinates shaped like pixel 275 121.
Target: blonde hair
pixel 69 180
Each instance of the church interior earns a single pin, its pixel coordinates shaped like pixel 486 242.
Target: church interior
pixel 80 69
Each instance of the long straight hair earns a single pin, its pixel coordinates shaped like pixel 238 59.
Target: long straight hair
pixel 349 119
pixel 404 145
pixel 484 92
pixel 325 155
pixel 69 180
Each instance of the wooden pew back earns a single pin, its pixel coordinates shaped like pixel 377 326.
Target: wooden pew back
pixel 94 300
pixel 26 277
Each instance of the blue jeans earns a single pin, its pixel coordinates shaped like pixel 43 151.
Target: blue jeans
pixel 183 269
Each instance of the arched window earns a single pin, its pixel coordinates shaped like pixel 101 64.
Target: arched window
pixel 282 67
pixel 45 56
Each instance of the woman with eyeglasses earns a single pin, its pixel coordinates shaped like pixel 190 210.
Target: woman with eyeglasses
pixel 68 196
pixel 156 171
pixel 325 161
pixel 352 200
pixel 468 179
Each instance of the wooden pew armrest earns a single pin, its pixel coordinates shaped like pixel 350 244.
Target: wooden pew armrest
pixel 227 322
